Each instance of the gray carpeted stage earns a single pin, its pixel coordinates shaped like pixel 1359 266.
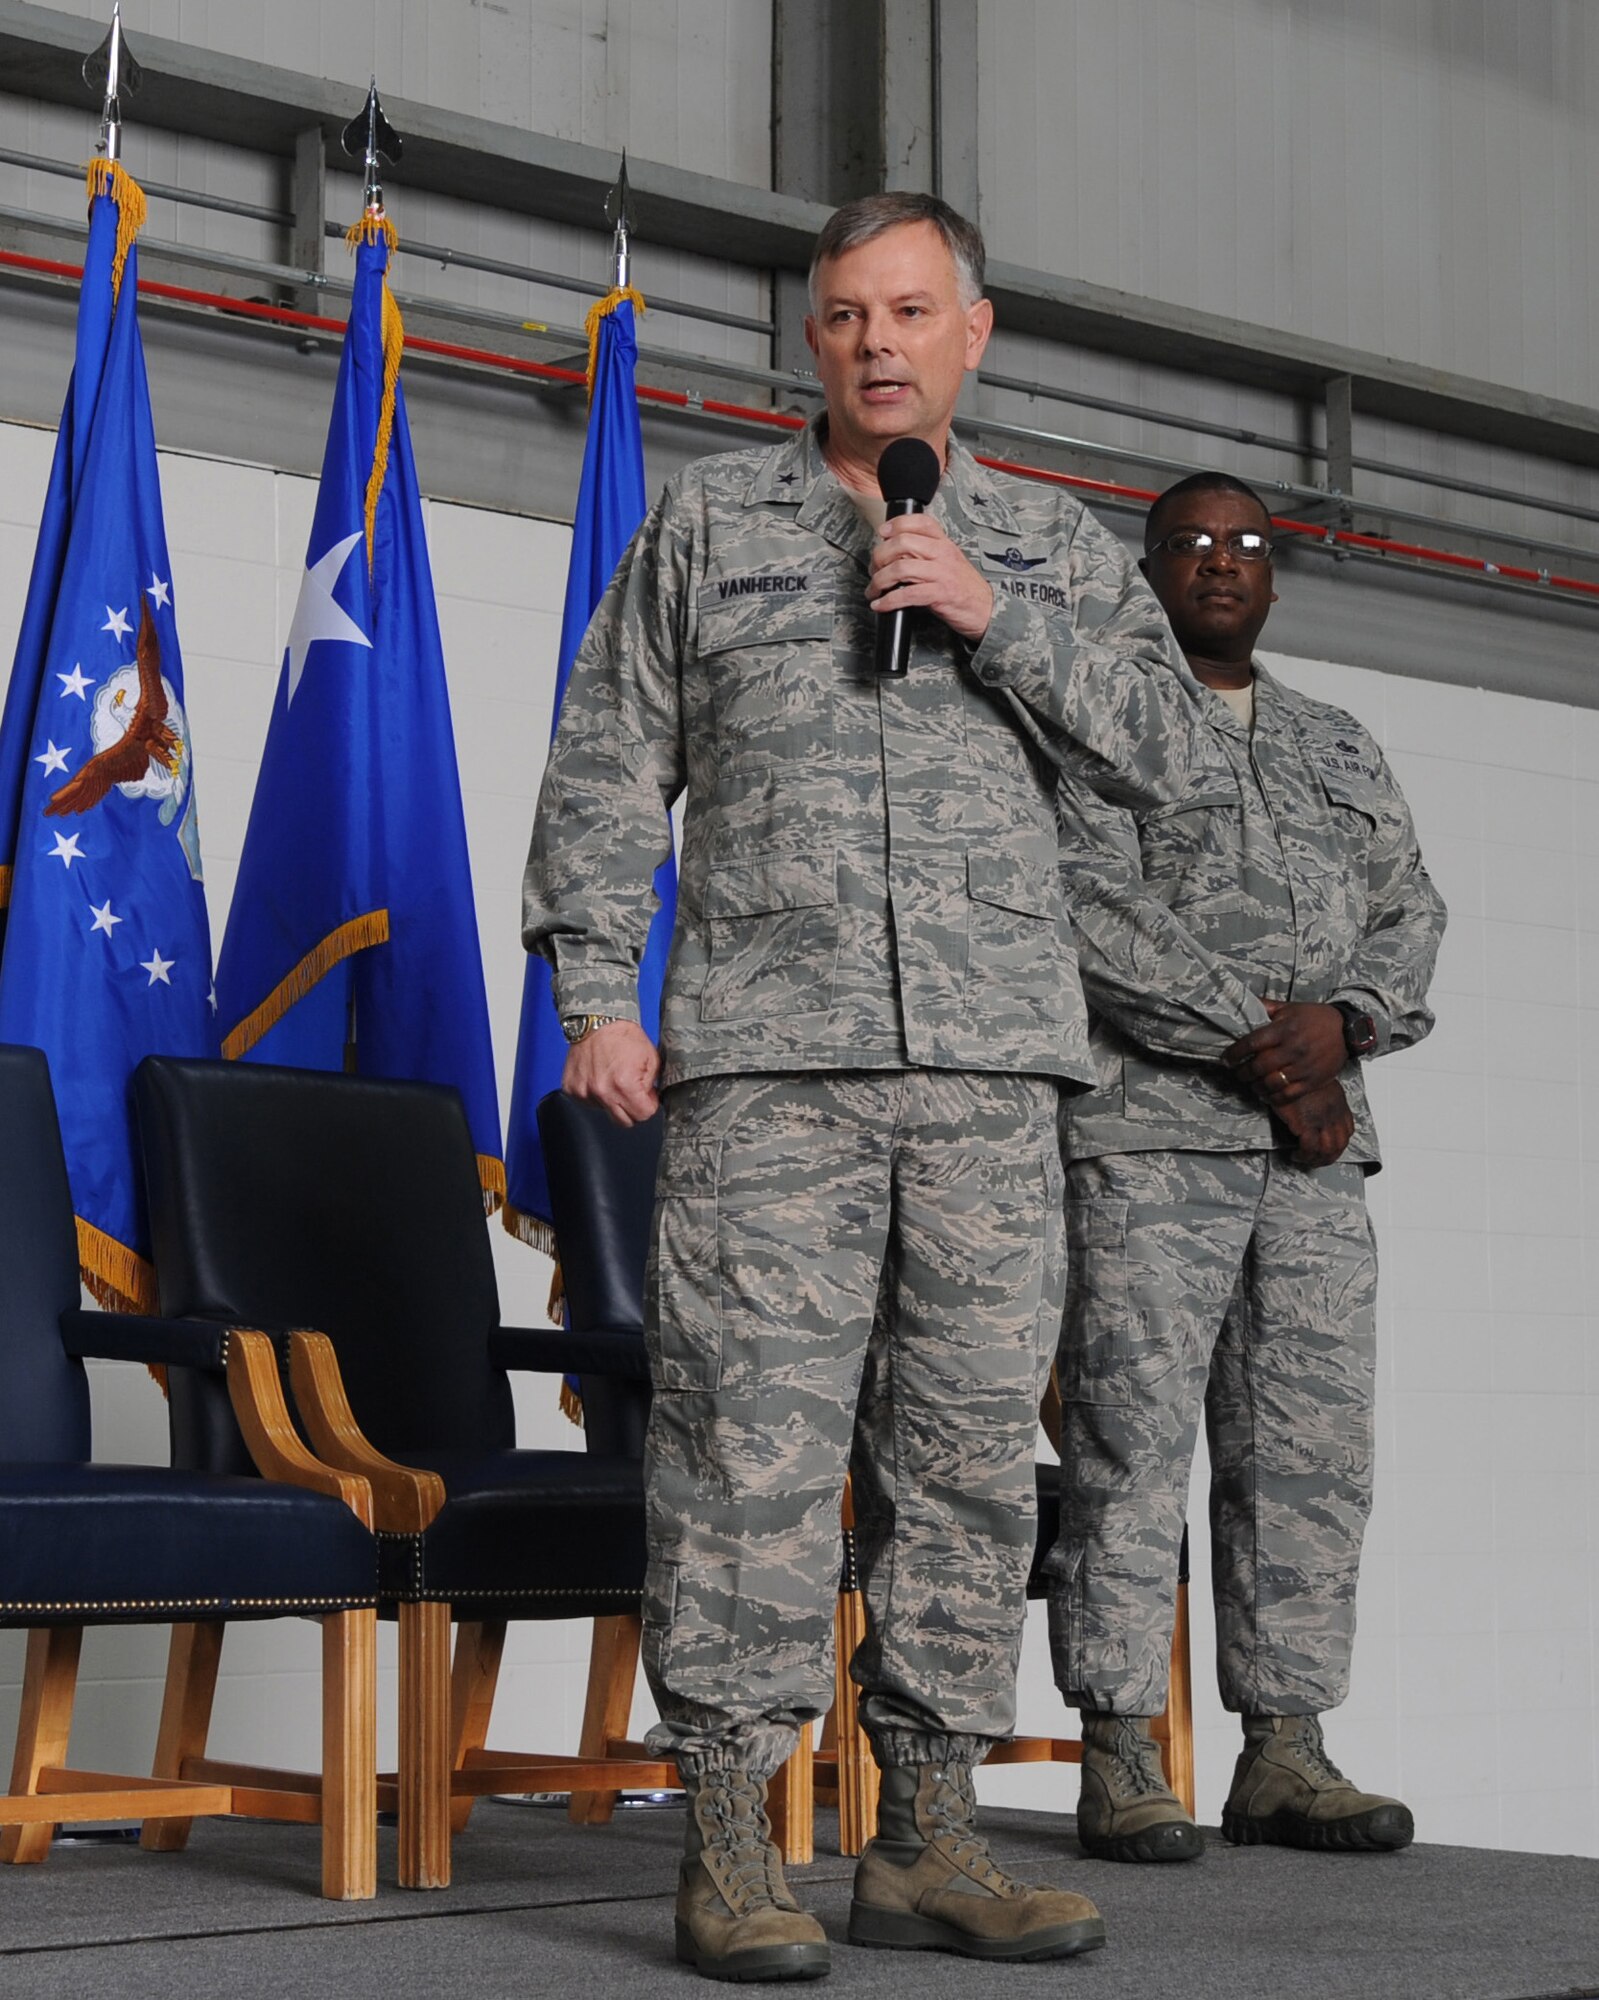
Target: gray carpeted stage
pixel 540 1907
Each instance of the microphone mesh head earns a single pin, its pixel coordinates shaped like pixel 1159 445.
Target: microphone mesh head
pixel 909 470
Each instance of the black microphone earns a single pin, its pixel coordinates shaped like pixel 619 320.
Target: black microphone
pixel 908 473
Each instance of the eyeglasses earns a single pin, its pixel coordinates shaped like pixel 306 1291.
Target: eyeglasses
pixel 1247 546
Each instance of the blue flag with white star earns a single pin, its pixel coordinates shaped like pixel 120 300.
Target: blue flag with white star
pixel 610 506
pixel 352 936
pixel 107 952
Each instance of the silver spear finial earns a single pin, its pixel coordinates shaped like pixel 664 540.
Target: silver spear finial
pixel 370 137
pixel 616 213
pixel 112 71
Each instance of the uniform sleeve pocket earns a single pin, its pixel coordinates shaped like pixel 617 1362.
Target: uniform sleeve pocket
pixel 1096 1350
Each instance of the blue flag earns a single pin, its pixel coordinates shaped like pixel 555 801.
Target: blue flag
pixel 107 952
pixel 610 506
pixel 352 937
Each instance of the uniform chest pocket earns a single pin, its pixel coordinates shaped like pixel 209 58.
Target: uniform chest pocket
pixel 1355 797
pixel 765 645
pixel 773 925
pixel 1193 851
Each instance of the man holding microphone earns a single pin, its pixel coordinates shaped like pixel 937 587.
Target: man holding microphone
pixel 870 1011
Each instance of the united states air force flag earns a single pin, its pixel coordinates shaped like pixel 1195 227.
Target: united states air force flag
pixel 610 506
pixel 107 954
pixel 352 937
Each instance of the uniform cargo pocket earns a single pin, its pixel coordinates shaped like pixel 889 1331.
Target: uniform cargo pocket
pixel 1096 1347
pixel 773 923
pixel 688 1280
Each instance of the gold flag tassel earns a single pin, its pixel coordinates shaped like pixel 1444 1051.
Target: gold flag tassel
pixel 375 227
pixel 110 177
pixel 600 310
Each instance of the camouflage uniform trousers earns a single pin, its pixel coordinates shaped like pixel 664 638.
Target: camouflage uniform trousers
pixel 1248 1284
pixel 790 1208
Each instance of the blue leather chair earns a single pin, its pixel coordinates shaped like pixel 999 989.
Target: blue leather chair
pixel 91 1544
pixel 293 1199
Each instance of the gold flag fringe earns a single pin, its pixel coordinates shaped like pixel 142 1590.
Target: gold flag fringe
pixel 532 1230
pixel 571 1399
pixel 5 886
pixel 600 310
pixel 491 1178
pixel 118 1279
pixel 343 943
pixel 110 177
pixel 375 227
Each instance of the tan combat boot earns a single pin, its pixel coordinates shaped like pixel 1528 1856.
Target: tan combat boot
pixel 1287 1793
pixel 735 1916
pixel 928 1883
pixel 1126 1811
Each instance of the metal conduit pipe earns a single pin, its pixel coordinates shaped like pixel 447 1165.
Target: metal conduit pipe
pixel 428 252
pixel 1293 447
pixel 678 308
pixel 1447 561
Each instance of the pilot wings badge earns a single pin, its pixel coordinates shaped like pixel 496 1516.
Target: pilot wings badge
pixel 1013 559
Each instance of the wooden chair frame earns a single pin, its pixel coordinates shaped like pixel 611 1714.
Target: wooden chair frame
pixel 445 1764
pixel 184 1784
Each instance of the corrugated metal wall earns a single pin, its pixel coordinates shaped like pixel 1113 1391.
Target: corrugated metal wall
pixel 1414 177
pixel 681 81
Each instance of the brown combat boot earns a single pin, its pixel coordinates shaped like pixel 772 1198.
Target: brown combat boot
pixel 1288 1793
pixel 735 1916
pixel 1126 1811
pixel 928 1882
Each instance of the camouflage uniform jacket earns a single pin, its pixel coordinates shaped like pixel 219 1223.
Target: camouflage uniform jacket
pixel 869 873
pixel 1288 870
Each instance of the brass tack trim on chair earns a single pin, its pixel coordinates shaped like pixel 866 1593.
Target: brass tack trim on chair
pixel 165 1605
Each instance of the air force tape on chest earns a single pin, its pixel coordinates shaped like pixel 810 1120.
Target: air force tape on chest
pixel 1025 568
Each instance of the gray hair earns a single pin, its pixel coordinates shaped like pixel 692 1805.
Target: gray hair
pixel 857 222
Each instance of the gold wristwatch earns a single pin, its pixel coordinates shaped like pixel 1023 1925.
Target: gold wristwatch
pixel 576 1026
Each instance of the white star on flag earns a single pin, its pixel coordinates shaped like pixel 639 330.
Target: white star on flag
pixel 75 683
pixel 103 919
pixel 66 850
pixel 211 997
pixel 160 593
pixel 117 623
pixel 316 616
pixel 53 759
pixel 157 967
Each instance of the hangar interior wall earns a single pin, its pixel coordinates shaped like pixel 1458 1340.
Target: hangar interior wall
pixel 1410 175
pixel 1480 1592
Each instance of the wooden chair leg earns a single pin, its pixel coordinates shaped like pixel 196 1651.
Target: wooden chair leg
pixel 858 1778
pixel 613 1670
pixel 349 1755
pixel 1173 1730
pixel 791 1803
pixel 192 1661
pixel 49 1683
pixel 424 1746
pixel 479 1645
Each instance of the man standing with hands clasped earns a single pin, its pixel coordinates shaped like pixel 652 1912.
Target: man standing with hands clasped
pixel 870 1010
pixel 1244 949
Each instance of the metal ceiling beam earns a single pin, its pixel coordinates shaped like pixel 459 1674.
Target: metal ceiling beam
pixel 255 105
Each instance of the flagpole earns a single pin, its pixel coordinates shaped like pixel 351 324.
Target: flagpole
pixel 370 134
pixel 112 70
